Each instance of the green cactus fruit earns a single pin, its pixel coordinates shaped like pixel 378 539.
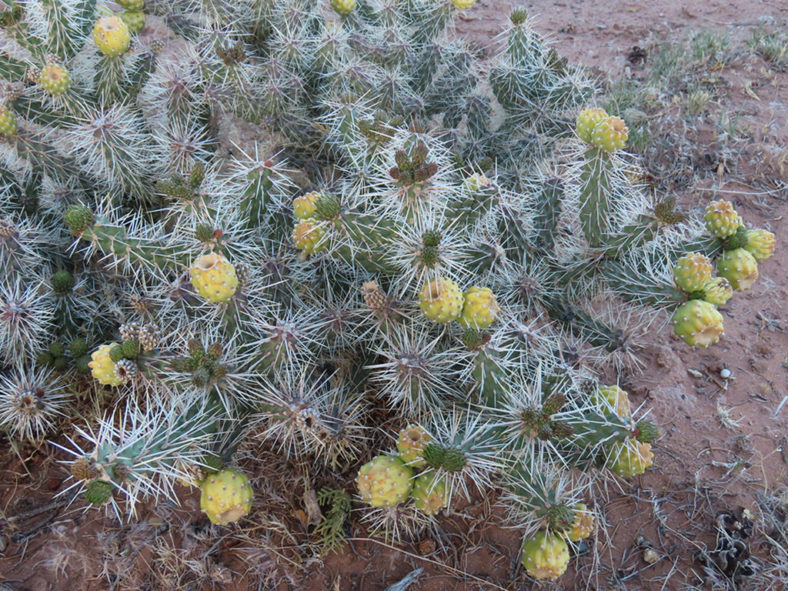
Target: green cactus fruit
pixel 8 125
pixel 226 496
pixel 760 244
pixel 102 368
pixel 54 79
pixel 441 300
pixel 630 458
pixel 717 291
pixel 57 349
pixel 586 122
pixel 213 277
pixel 692 272
pixel 132 4
pixel 583 524
pixel 384 481
pixel 134 19
pixel 343 7
pixel 721 219
pixel 78 348
pixel 111 35
pixel 616 399
pixel 98 492
pixel 698 323
pixel 463 4
pixel 739 267
pixel 545 556
pixel 78 218
pixel 304 206
pixel 308 236
pixel 429 493
pixel 131 349
pixel 410 445
pixel 480 309
pixel 610 134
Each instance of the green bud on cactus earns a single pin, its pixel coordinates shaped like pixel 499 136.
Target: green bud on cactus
pixel 134 19
pixel 429 493
pixel 57 349
pixel 692 272
pixel 454 460
pixel 45 358
pixel 429 256
pixel 434 455
pixel 721 219
pixel 63 282
pixel 431 238
pixel 698 323
pixel 739 267
pixel 60 364
pixel 646 431
pixel 327 207
pixel 717 291
pixel 554 403
pixel 78 348
pixel 131 349
pixel 78 218
pixel 558 517
pixel 98 492
pixel 116 353
pixel 204 233
pixel 518 16
pixel 760 244
pixel 385 481
pixel 214 350
pixel 201 377
pixel 82 364
pixel 473 338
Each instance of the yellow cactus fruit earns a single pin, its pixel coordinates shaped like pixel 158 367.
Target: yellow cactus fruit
pixel 410 445
pixel 54 79
pixel 610 134
pixel 111 35
pixel 586 122
pixel 429 493
pixel 441 300
pixel 630 458
pixel 692 272
pixel 308 235
pixel 698 323
pixel 8 125
pixel 616 399
pixel 739 267
pixel 717 291
pixel 226 496
pixel 384 481
pixel 304 206
pixel 463 4
pixel 583 525
pixel 134 19
pixel 721 219
pixel 102 368
pixel 760 244
pixel 214 278
pixel 480 309
pixel 545 556
pixel 343 7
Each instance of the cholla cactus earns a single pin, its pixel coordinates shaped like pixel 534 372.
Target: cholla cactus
pixel 415 233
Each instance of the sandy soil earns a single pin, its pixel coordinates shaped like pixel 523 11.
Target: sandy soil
pixel 724 439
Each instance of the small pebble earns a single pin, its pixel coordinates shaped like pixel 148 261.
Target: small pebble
pixel 725 373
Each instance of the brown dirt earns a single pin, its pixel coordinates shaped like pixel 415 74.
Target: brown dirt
pixel 705 463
